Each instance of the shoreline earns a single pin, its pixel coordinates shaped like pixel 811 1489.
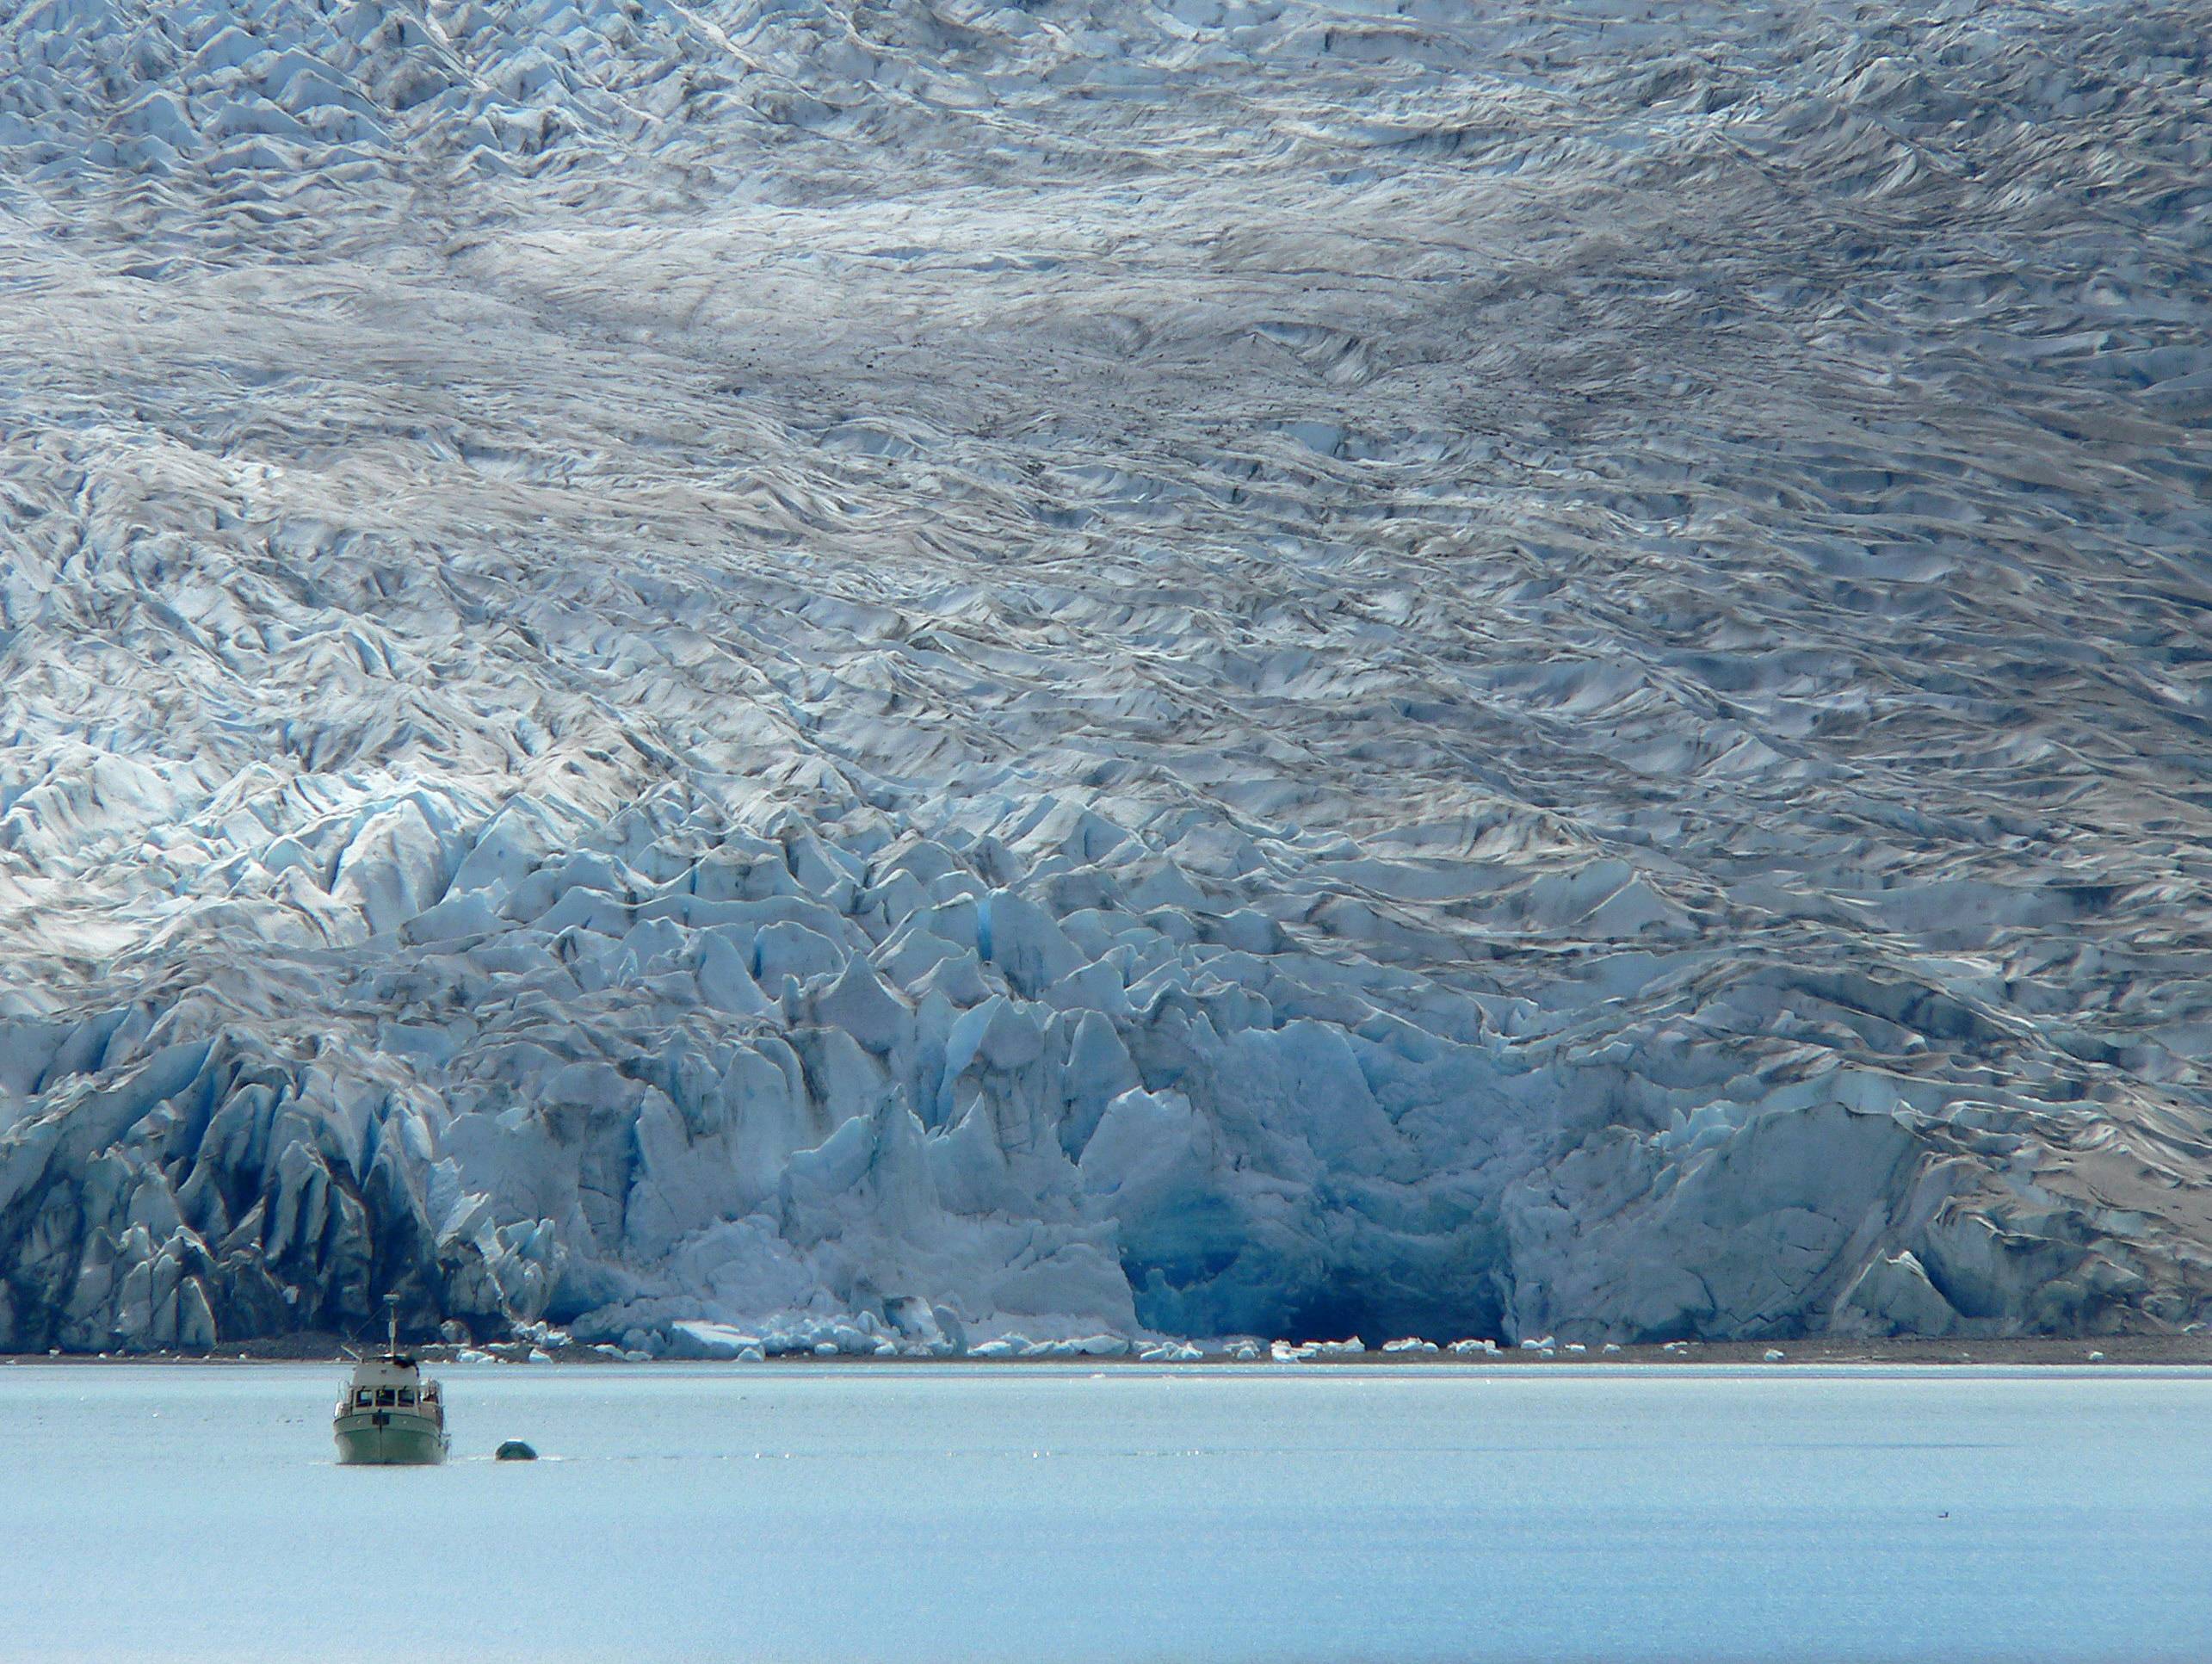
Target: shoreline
pixel 2181 1351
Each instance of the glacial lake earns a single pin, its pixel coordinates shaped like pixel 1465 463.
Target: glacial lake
pixel 826 1512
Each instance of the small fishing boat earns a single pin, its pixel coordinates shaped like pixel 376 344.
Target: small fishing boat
pixel 389 1414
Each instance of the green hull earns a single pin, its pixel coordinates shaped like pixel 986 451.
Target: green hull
pixel 408 1441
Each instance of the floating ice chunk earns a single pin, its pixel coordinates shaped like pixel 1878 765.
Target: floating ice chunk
pixel 1411 1344
pixel 1475 1348
pixel 917 1324
pixel 1773 1354
pixel 699 1340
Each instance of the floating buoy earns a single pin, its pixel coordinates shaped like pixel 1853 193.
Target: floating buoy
pixel 515 1450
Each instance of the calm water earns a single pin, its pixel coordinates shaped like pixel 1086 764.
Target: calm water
pixel 1260 1513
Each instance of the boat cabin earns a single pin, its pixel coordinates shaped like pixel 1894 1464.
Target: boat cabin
pixel 391 1383
pixel 386 1398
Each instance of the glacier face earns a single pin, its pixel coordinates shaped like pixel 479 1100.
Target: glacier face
pixel 892 673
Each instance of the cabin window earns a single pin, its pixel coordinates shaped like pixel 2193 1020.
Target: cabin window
pixel 362 1397
pixel 384 1397
pixel 407 1396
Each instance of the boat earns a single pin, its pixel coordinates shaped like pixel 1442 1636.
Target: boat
pixel 389 1415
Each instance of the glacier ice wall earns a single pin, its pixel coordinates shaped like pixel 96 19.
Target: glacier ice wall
pixel 893 672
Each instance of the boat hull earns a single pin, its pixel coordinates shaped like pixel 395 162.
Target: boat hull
pixel 387 1438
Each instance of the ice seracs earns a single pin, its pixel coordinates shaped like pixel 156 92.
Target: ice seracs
pixel 900 677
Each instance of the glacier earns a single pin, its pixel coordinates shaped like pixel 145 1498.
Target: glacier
pixel 912 676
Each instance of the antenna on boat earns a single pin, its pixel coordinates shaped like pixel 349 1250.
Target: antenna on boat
pixel 392 1311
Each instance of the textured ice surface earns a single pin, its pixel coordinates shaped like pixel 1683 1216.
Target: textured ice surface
pixel 949 1513
pixel 866 675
